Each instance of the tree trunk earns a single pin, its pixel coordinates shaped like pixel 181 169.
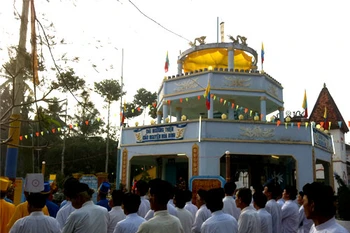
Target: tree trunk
pixel 107 140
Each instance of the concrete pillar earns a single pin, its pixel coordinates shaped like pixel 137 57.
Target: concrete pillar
pixel 178 113
pixel 231 58
pixel 211 110
pixel 281 111
pixel 164 163
pixel 179 67
pixel 159 117
pixel 165 110
pixel 263 108
pixel 231 111
pixel 228 166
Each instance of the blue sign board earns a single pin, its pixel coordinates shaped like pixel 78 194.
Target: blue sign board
pixel 160 133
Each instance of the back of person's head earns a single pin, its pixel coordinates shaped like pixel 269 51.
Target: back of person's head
pixel 161 190
pixel 214 199
pixel 131 202
pixel 292 191
pixel 180 198
pixel 259 199
pixel 142 187
pixel 202 194
pixel 188 195
pixel 69 186
pixel 323 198
pixel 117 197
pixel 36 200
pixel 82 189
pixel 230 188
pixel 273 189
pixel 245 194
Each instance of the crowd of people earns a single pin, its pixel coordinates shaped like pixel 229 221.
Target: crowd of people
pixel 159 207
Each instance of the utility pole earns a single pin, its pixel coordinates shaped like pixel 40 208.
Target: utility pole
pixel 64 139
pixel 18 89
pixel 107 140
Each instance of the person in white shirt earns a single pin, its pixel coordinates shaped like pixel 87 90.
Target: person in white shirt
pixel 271 192
pixel 141 190
pixel 203 212
pixel 259 200
pixel 131 204
pixel 229 203
pixel 185 216
pixel 36 221
pixel 88 217
pixel 290 210
pixel 162 222
pixel 189 205
pixel 219 222
pixel 318 202
pixel 67 209
pixel 249 220
pixel 116 214
pixel 304 223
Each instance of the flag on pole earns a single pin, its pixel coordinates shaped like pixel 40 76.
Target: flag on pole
pixel 122 115
pixel 304 106
pixel 262 53
pixel 33 42
pixel 325 116
pixel 166 66
pixel 207 95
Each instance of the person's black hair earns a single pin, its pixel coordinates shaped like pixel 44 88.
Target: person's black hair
pixel 323 198
pixel 180 198
pixel 258 188
pixel 214 199
pixel 259 199
pixel 131 202
pixel 230 188
pixel 36 200
pixel 117 197
pixel 188 195
pixel 82 187
pixel 142 187
pixel 202 194
pixel 162 190
pixel 245 194
pixel 102 195
pixel 69 186
pixel 301 193
pixel 292 191
pixel 273 189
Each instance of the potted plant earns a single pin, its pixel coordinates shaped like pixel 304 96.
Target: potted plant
pixel 343 203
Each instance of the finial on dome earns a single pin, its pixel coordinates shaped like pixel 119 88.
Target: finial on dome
pixel 324 85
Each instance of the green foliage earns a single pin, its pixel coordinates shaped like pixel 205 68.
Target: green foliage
pixel 144 98
pixel 68 81
pixel 343 199
pixel 110 89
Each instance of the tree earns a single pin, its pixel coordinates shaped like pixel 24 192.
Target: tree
pixel 111 90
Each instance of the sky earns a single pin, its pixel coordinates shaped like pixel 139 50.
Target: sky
pixel 306 42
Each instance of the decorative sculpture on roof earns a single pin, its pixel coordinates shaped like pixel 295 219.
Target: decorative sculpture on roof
pixel 237 39
pixel 201 41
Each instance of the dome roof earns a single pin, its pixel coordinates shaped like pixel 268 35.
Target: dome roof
pixel 216 58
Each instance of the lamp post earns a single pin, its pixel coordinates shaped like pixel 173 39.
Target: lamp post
pixel 228 166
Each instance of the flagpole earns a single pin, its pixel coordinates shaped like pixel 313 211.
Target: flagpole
pixel 119 151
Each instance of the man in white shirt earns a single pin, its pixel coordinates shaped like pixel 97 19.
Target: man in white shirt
pixel 131 223
pixel 189 205
pixel 36 221
pixel 290 210
pixel 162 222
pixel 304 223
pixel 141 190
pixel 249 220
pixel 182 214
pixel 229 203
pixel 88 217
pixel 219 222
pixel 67 209
pixel 271 192
pixel 203 212
pixel 116 214
pixel 318 202
pixel 259 200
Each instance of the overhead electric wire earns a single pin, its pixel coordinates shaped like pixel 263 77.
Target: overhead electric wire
pixel 158 23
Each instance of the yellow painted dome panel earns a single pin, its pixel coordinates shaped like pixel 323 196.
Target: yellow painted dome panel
pixel 216 58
